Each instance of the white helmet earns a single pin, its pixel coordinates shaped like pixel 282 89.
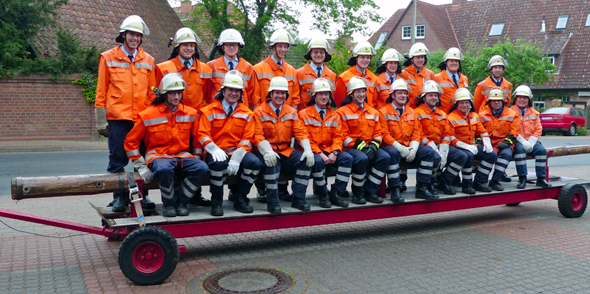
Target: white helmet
pixel 233 79
pixel 497 60
pixel 431 86
pixel 172 82
pixel 496 94
pixel 134 23
pixel 355 83
pixel 230 36
pixel 278 83
pixel 391 55
pixel 399 84
pixel 523 90
pixel 321 85
pixel 453 53
pixel 281 36
pixel 363 48
pixel 185 35
pixel 318 43
pixel 461 94
pixel 417 50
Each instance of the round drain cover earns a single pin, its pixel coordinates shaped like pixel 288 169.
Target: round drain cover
pixel 248 280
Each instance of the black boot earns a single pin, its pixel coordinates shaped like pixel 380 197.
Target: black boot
pixel 216 202
pixel 481 186
pixel 325 201
pixel 169 211
pixel 300 204
pixel 467 187
pixel 521 182
pixel 541 182
pixel 284 193
pixel 403 178
pixel 423 193
pixel 181 209
pixel 506 178
pixel 445 188
pixel 373 198
pixel 496 186
pixel 118 203
pixel 432 190
pixel 396 195
pixel 146 203
pixel 199 200
pixel 457 182
pixel 359 199
pixel 273 208
pixel 241 204
pixel 261 195
pixel 335 199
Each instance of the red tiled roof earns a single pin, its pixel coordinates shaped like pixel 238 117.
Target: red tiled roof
pixel 387 26
pixel 439 21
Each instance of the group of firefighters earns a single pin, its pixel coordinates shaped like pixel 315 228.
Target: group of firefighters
pixel 198 122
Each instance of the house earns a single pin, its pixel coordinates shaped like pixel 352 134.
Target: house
pixel 561 27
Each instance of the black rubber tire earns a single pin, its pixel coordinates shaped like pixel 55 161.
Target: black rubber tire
pixel 571 131
pixel 513 204
pixel 140 236
pixel 575 208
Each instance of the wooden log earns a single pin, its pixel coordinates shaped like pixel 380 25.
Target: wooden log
pixel 39 187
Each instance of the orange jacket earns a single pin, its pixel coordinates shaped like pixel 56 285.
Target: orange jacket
pixel 383 86
pixel 435 125
pixel 229 134
pixel 359 123
pixel 500 127
pixel 278 130
pixel 530 123
pixel 268 69
pixel 402 129
pixel 449 87
pixel 198 78
pixel 465 129
pixel 416 81
pixel 166 134
pixel 342 81
pixel 124 87
pixel 324 135
pixel 480 96
pixel 306 76
pixel 219 69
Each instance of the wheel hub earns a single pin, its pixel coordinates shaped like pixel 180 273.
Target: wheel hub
pixel 148 257
pixel 577 201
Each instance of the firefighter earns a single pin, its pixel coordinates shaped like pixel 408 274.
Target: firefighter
pixel 185 60
pixel 276 123
pixel 316 68
pixel 437 135
pixel 359 63
pixel 126 75
pixel 450 78
pixel 416 72
pixel 229 44
pixel 528 138
pixel 226 130
pixel 276 66
pixel 466 125
pixel 503 125
pixel 388 72
pixel 496 66
pixel 325 135
pixel 362 138
pixel 402 134
pixel 166 128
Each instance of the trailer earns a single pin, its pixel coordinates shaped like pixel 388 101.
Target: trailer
pixel 149 252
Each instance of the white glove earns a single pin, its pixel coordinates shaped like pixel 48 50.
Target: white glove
pixel 532 141
pixel 102 126
pixel 216 152
pixel 307 153
pixel 403 150
pixel 236 159
pixel 413 149
pixel 443 150
pixel 144 172
pixel 433 146
pixel 465 146
pixel 270 157
pixel 525 144
pixel 487 145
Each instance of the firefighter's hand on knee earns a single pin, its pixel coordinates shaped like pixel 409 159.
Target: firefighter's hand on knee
pixel 145 173
pixel 233 167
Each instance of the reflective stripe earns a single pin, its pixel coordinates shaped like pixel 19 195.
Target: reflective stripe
pixel 268 118
pixel 216 115
pixel 378 138
pixel 117 64
pixel 242 115
pixel 299 181
pixel 502 161
pixel 218 74
pixel 541 157
pixel 411 82
pixel 520 155
pixel 350 116
pixel 306 81
pixel 540 164
pixel 185 118
pixel 271 186
pixel 485 119
pixel 305 173
pixel 487 164
pixel 245 142
pixel 331 124
pixel 215 183
pixel 446 138
pixel 446 84
pixel 384 87
pixel 197 151
pixel 216 173
pixel 374 180
pixel 133 152
pixel 508 118
pixel 204 75
pixel 506 91
pixel 455 166
pixel 202 141
pixel 372 117
pixel 370 84
pixel 318 174
pixel 143 65
pixel 422 116
pixel 425 171
pixel 485 92
pixel 320 183
pixel 264 75
pixel 246 77
pixel 453 138
pixel 466 85
pixel 474 119
pixel 347 141
pixel 377 172
pixel 484 135
pixel 190 185
pixel 271 176
pixel 391 117
pixel 289 117
pixel 293 78
pixel 313 122
pixel 427 163
pixel 424 141
pixel 455 122
pixel 531 117
pixel 154 121
pixel 442 117
pixel 358 177
pixel 393 167
pixel 342 169
pixel 341 178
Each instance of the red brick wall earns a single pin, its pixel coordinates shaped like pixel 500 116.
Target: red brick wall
pixel 36 108
pixel 430 39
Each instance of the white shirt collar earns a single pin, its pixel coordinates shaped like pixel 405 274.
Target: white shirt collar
pixel 182 60
pixel 127 53
pixel 235 61
pixel 496 80
pixel 273 58
pixel 364 72
pixel 227 105
pixel 389 77
pixel 273 106
pixel 315 67
pixel 451 75
pixel 318 109
pixel 394 106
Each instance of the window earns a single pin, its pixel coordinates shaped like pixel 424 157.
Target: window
pixel 496 29
pixel 406 32
pixel 419 31
pixel 561 22
pixel 588 20
pixel 565 98
pixel 539 104
pixel 381 40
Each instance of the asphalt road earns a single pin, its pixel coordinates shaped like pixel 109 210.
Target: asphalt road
pixel 38 164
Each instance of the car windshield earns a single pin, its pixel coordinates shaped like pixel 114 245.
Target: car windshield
pixel 557 110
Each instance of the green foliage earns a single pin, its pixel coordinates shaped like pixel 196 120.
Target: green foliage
pixel 581 131
pixel 88 82
pixel 341 54
pixel 434 60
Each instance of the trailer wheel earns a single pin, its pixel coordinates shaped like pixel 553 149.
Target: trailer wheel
pixel 148 256
pixel 513 204
pixel 572 200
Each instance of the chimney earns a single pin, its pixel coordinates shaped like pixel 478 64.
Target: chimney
pixel 543 25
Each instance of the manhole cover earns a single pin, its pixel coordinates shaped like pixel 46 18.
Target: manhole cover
pixel 248 281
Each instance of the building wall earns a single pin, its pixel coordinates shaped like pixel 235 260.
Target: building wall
pixel 431 41
pixel 36 108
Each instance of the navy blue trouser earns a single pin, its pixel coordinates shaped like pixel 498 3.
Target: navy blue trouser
pixel 502 163
pixel 318 172
pixel 360 166
pixel 289 165
pixel 427 158
pixel 485 166
pixel 455 161
pixel 190 171
pixel 540 154
pixel 249 170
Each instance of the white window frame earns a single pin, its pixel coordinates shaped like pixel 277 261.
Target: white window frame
pixel 562 19
pixel 539 104
pixel 495 27
pixel 588 20
pixel 423 31
pixel 409 35
pixel 380 40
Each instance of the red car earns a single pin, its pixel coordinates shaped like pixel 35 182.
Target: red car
pixel 563 119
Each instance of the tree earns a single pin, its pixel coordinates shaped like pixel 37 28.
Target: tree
pixel 254 18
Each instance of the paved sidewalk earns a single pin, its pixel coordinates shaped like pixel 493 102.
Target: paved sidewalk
pixel 53 145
